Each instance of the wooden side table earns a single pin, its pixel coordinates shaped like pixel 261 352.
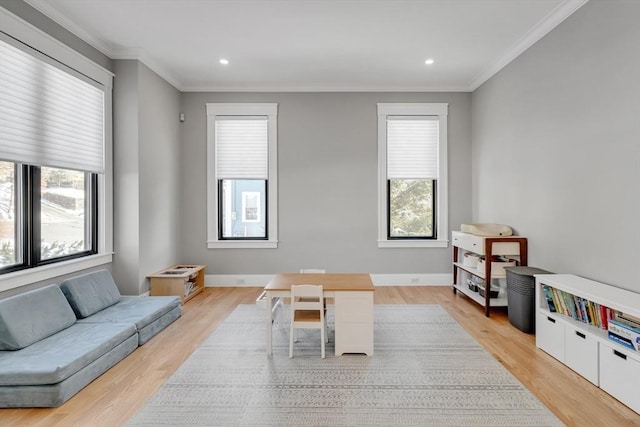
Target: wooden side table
pixel 183 280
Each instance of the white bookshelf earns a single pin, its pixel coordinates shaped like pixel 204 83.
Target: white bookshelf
pixel 586 348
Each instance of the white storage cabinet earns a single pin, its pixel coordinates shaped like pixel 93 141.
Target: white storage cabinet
pixel 586 348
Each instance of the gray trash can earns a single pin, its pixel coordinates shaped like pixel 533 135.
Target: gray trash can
pixel 521 297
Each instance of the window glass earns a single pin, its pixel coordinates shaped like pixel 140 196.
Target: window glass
pixel 242 206
pixel 63 212
pixel 411 208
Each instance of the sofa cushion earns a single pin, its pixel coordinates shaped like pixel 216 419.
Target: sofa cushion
pixel 61 355
pixel 51 395
pixel 91 292
pixel 32 316
pixel 141 311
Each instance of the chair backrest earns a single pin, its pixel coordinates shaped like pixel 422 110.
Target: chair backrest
pixel 306 297
pixel 312 270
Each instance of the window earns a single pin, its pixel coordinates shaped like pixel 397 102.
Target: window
pixel 54 128
pixel 48 215
pixel 241 174
pixel 412 185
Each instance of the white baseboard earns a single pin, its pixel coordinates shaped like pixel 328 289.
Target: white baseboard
pixel 260 280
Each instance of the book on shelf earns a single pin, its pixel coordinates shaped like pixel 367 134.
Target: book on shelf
pixel 625 342
pixel 188 288
pixel 624 333
pixel 627 318
pixel 580 309
pixel 550 303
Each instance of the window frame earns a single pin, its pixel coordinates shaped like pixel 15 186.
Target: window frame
pixel 34 41
pixel 441 189
pixel 270 110
pixel 29 196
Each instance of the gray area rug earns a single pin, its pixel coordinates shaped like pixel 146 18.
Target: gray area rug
pixel 426 371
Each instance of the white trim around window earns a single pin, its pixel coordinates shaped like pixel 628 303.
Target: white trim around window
pixel 270 110
pixel 32 39
pixel 413 109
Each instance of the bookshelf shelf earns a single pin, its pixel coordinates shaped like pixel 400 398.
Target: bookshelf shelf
pixel 584 347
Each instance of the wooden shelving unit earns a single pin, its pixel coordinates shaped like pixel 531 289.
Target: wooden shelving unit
pixel 183 280
pixel 512 246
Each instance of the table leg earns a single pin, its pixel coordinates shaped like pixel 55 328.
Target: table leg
pixel 269 321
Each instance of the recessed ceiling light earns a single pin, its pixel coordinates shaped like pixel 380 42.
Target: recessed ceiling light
pixel 429 61
pixel 224 61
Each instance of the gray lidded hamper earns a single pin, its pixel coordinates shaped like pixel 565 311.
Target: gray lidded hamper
pixel 521 297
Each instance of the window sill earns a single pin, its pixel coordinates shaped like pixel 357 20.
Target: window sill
pixel 48 272
pixel 413 243
pixel 242 244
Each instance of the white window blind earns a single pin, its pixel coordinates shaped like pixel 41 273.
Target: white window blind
pixel 242 148
pixel 412 147
pixel 48 117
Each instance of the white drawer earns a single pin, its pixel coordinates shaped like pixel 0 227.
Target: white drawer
pixel 620 374
pixel 475 244
pixel 354 307
pixel 581 353
pixel 354 338
pixel 550 335
pixel 468 242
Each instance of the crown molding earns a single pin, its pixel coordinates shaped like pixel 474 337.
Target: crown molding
pixel 316 89
pixel 52 13
pixel 142 56
pixel 131 53
pixel 548 23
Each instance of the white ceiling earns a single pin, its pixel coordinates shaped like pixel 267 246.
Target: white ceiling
pixel 314 45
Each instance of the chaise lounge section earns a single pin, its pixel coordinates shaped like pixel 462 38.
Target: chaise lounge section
pixel 95 298
pixel 57 339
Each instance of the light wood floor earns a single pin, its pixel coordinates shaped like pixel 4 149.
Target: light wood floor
pixel 116 396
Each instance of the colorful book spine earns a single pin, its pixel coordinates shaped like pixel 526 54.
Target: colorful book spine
pixel 550 303
pixel 583 310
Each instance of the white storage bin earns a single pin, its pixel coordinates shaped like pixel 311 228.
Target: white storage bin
pixel 497 267
pixel 550 336
pixel 581 353
pixel 620 374
pixel 470 259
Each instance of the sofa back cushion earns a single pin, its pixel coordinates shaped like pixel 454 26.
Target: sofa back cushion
pixel 32 316
pixel 90 292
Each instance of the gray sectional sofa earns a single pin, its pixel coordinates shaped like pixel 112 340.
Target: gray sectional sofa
pixel 57 339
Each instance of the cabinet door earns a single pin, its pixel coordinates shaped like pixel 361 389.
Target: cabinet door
pixel 581 353
pixel 550 335
pixel 354 322
pixel 620 375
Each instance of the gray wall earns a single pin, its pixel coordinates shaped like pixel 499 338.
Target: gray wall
pixel 327 171
pixel 146 175
pixel 160 152
pixel 126 189
pixel 55 30
pixel 556 145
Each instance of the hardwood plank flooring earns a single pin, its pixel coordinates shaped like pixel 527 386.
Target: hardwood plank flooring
pixel 117 395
